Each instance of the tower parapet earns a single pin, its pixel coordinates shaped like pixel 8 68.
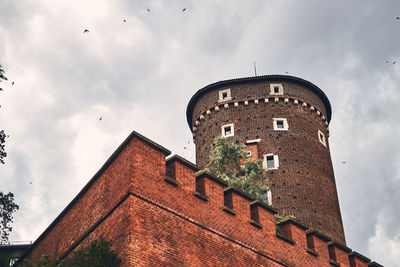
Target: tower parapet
pixel 284 121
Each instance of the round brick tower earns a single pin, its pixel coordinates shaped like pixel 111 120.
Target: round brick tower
pixel 284 121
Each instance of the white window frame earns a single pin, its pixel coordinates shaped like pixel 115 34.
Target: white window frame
pixel 272 89
pixel 322 139
pixel 223 132
pixel 285 124
pixel 248 154
pixel 268 196
pixel 276 162
pixel 221 97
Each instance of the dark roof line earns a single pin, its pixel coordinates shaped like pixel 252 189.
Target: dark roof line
pixel 206 89
pixel 103 168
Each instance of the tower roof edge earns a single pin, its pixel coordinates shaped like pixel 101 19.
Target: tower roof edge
pixel 204 90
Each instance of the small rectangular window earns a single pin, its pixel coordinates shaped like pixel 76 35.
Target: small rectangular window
pixel 224 95
pixel 248 154
pixel 227 130
pixel 280 124
pixel 276 89
pixel 271 162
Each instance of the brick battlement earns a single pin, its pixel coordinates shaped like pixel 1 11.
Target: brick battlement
pixel 259 101
pixel 160 211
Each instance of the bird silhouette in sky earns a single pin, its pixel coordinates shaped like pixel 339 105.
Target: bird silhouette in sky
pixel 343 162
pixel 124 20
pixel 183 10
pixel 397 17
pixel 86 31
pixel 148 10
pixel 12 83
pixel 100 118
pixel 394 62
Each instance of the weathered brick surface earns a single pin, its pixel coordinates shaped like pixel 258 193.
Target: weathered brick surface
pixel 152 222
pixel 304 185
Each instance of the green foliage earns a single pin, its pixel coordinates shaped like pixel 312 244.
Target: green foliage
pixel 225 162
pixel 97 254
pixel 5 258
pixel 3 154
pixel 7 207
pixel 2 77
pixel 44 261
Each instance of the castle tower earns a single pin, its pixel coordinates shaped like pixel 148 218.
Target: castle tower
pixel 284 121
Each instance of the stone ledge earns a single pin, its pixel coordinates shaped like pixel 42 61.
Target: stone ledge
pixel 256 224
pixel 228 210
pixel 171 181
pixel 183 161
pixel 284 238
pixel 200 195
pixel 312 252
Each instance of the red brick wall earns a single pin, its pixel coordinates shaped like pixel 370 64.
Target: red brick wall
pixel 304 185
pixel 154 222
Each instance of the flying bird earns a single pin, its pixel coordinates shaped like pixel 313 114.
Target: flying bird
pixel 1 89
pixel 387 61
pixel 183 10
pixel 13 81
pixel 397 17
pixel 124 20
pixel 394 62
pixel 86 31
pixel 184 147
pixel 148 10
pixel 100 118
pixel 343 162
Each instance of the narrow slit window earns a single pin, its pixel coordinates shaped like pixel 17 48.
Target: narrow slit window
pixel 270 162
pixel 321 138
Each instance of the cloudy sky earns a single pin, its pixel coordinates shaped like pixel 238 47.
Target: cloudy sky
pixel 140 74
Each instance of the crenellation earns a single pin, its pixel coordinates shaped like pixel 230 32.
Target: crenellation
pixel 339 253
pixel 188 209
pixel 358 260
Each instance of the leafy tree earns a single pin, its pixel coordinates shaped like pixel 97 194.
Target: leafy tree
pixel 97 254
pixel 5 257
pixel 7 207
pixel 3 154
pixel 2 77
pixel 44 261
pixel 225 163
